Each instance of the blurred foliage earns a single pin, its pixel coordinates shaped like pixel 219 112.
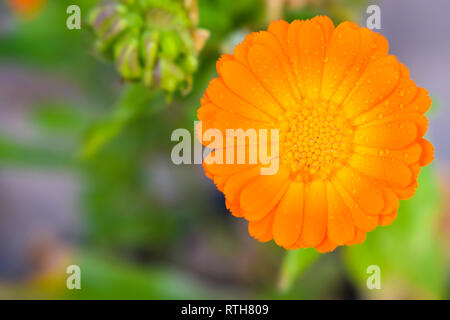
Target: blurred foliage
pixel 294 264
pixel 134 101
pixel 14 153
pixel 109 278
pixel 409 251
pixel 132 242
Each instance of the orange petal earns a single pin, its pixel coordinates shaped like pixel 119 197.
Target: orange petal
pixel 280 30
pixel 289 216
pixel 391 201
pixel 225 120
pixel 384 169
pixel 372 47
pixel 341 228
pixel 262 229
pixel 312 45
pixel 417 118
pixel 393 135
pixel 241 50
pixel 360 236
pixel 385 220
pixel 315 214
pixel 362 219
pixel 266 66
pixel 326 246
pixel 406 193
pixel 262 194
pixel 293 37
pixel 269 41
pixel 362 190
pixel 235 209
pixel 408 155
pixel 403 94
pixel 236 183
pixel 421 103
pixel 327 26
pixel 223 169
pixel 221 60
pixel 225 99
pixel 244 84
pixel 427 152
pixel 207 111
pixel 340 56
pixel 375 84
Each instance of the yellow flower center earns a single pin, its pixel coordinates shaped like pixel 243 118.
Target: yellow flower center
pixel 314 140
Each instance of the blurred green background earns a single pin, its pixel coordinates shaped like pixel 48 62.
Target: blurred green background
pixel 86 176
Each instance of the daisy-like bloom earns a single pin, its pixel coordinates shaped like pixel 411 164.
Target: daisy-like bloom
pixel 351 125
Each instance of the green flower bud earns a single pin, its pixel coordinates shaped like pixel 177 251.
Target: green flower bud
pixel 100 17
pixel 126 55
pixel 190 64
pixel 171 45
pixel 171 75
pixel 149 46
pixel 153 41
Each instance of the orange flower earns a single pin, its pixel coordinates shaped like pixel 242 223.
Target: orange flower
pixel 351 125
pixel 27 8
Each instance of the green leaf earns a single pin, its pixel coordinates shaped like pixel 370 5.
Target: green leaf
pixel 408 252
pixel 294 263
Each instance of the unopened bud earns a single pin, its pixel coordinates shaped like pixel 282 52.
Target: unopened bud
pixel 126 54
pixel 154 41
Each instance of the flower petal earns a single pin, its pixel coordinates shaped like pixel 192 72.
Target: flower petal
pixel 227 100
pixel 421 103
pixel 341 228
pixel 237 182
pixel 408 155
pixel 326 246
pixel 223 169
pixel 359 237
pixel 312 46
pixel 393 135
pixel 223 58
pixel 315 214
pixel 262 229
pixel 280 30
pixel 391 201
pixel 362 220
pixel 366 194
pixel 427 152
pixel 289 216
pixel 293 37
pixel 266 66
pixel 267 39
pixel 244 84
pixel 375 84
pixel 340 56
pixel 417 118
pixel 372 47
pixel 386 220
pixel 403 94
pixel 383 169
pixel 262 194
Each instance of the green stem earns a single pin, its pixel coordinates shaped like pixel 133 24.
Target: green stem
pixel 134 100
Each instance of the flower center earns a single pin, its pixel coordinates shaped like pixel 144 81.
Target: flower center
pixel 314 140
